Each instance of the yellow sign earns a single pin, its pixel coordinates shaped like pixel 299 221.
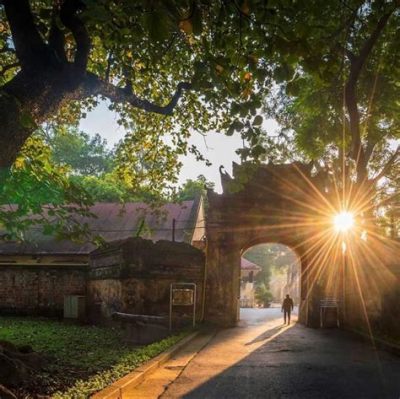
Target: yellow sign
pixel 182 297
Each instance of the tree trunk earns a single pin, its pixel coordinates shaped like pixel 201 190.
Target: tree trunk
pixel 13 133
pixel 31 98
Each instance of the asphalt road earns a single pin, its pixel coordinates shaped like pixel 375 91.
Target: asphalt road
pixel 261 358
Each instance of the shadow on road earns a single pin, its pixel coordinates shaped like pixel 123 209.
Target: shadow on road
pixel 297 363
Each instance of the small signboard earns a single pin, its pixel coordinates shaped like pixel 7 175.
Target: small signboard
pixel 182 294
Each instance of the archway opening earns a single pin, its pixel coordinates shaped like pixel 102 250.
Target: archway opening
pixel 268 272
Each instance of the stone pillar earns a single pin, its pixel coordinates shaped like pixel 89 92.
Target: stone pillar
pixel 303 305
pixel 222 281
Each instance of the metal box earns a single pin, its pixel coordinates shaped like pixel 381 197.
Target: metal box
pixel 74 306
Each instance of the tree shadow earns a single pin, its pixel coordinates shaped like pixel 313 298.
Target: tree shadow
pixel 296 363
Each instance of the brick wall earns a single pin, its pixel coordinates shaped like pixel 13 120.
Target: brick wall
pixel 39 289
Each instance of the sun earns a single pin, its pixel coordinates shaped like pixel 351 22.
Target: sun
pixel 343 221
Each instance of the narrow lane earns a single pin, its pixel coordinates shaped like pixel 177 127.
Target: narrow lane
pixel 264 359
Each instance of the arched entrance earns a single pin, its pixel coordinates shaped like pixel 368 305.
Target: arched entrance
pixel 287 204
pixel 266 204
pixel 268 272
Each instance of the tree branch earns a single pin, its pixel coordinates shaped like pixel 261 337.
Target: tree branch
pixel 358 61
pixel 388 165
pixel 56 38
pixel 96 86
pixel 108 69
pixel 29 46
pixel 68 16
pixel 356 64
pixel 369 149
pixel 370 43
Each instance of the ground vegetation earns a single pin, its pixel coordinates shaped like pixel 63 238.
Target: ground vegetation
pixel 47 357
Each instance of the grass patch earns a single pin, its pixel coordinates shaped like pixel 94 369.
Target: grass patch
pixel 85 359
pixel 83 389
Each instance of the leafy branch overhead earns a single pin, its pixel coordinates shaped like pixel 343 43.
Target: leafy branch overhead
pixel 338 89
pixel 143 56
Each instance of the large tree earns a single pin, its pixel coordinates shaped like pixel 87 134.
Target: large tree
pixel 58 58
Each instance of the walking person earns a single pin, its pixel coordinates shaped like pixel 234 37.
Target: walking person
pixel 287 307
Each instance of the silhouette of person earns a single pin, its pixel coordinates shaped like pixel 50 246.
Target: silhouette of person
pixel 287 307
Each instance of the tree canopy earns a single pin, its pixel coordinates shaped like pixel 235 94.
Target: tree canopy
pixel 337 89
pixel 194 188
pixel 335 92
pixel 85 155
pixel 199 62
pixel 206 65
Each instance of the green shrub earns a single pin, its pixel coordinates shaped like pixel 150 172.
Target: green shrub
pixel 263 295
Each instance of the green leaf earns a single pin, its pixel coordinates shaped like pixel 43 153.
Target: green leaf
pixel 237 125
pixel 258 120
pixel 230 130
pixel 27 120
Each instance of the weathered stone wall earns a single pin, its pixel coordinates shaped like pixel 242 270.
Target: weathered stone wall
pixel 134 276
pixel 257 206
pixel 372 288
pixel 134 295
pixel 39 289
pixel 288 204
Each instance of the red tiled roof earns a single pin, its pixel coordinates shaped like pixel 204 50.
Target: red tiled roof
pixel 116 222
pixel 247 265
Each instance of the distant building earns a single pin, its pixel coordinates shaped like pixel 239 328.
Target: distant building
pixel 36 275
pixel 248 270
pixel 182 222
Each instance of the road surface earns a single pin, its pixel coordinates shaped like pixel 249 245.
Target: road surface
pixel 262 358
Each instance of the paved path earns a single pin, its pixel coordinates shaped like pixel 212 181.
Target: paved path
pixel 264 359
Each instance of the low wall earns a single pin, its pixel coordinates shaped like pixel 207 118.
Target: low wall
pixel 135 276
pixel 134 295
pixel 39 289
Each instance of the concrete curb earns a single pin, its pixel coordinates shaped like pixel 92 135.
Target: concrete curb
pixel 379 343
pixel 117 388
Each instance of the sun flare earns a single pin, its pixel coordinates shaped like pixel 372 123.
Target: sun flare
pixel 343 221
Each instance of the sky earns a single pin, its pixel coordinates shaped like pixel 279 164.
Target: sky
pixel 218 148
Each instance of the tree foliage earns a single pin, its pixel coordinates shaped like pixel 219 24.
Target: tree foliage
pixel 83 154
pixel 337 91
pixel 200 62
pixel 37 186
pixel 58 175
pixel 171 68
pixel 194 188
pixel 270 257
pixel 263 295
